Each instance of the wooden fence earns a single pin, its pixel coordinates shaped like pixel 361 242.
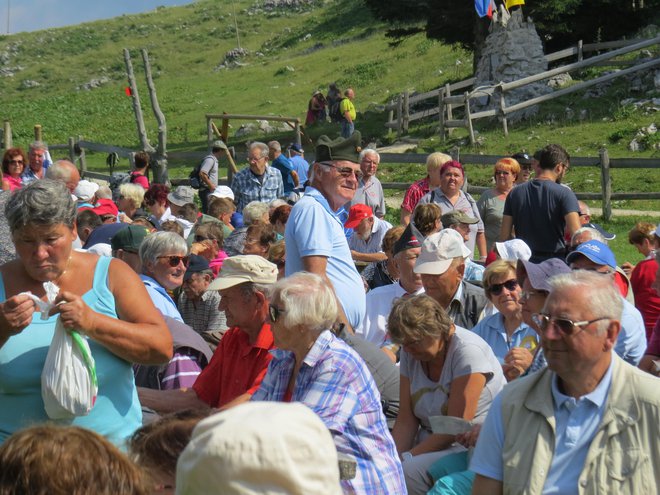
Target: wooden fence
pixel 448 102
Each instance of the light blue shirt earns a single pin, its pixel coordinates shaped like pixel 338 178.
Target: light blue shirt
pixel 631 343
pixel 492 330
pixel 375 242
pixel 576 423
pixel 302 167
pixel 161 298
pixel 474 272
pixel 313 229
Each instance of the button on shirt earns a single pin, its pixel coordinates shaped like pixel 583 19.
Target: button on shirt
pixel 492 330
pixel 248 187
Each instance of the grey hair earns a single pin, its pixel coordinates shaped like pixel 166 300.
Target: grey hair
pixel 594 235
pixel 104 192
pixel 604 298
pixel 254 211
pixel 133 192
pixel 275 145
pixel 159 243
pixel 369 151
pixel 275 203
pixel 61 170
pixel 38 145
pixel 308 300
pixel 249 289
pixel 262 147
pixel 43 202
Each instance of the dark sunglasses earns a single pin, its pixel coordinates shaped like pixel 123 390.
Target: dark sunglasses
pixel 496 289
pixel 174 261
pixel 564 325
pixel 344 171
pixel 274 312
pixel 16 162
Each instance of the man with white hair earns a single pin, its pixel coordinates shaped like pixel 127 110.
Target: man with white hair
pixel 442 268
pixel 257 182
pixel 588 423
pixel 370 190
pixel 64 171
pixel 38 163
pixel 279 161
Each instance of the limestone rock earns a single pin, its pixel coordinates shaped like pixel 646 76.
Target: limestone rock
pixel 559 80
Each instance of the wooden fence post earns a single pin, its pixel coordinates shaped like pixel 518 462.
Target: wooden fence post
pixel 72 150
pixel 399 115
pixel 468 117
pixel 7 135
pixel 224 132
pixel 160 171
pixel 502 109
pixel 605 183
pixel 441 114
pixel 580 53
pixel 390 119
pixel 406 111
pixel 209 132
pixel 83 160
pixel 297 129
pixel 37 132
pixel 137 109
pixel 450 108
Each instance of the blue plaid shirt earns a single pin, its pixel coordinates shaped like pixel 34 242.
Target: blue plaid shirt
pixel 247 188
pixel 335 383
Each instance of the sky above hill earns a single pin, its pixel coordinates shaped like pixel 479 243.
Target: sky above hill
pixel 33 15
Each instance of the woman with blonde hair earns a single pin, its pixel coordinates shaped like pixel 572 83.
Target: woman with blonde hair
pixel 130 200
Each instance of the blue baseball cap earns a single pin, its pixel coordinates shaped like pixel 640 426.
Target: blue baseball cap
pixel 596 251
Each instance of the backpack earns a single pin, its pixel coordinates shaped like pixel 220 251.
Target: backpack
pixel 194 178
pixel 116 180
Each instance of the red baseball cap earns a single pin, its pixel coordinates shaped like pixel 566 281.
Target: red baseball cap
pixel 356 214
pixel 105 207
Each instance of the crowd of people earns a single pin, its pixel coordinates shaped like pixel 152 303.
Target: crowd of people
pixel 286 338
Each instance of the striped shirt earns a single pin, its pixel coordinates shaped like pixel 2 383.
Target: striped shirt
pixel 336 384
pixel 181 371
pixel 247 187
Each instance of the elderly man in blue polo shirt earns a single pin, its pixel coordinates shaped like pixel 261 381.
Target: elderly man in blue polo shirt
pixel 314 235
pixel 367 239
pixel 588 423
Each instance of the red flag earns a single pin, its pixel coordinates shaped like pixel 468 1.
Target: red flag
pixel 128 91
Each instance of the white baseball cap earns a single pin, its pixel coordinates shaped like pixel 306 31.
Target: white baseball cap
pixel 439 250
pixel 513 250
pixel 223 192
pixel 86 190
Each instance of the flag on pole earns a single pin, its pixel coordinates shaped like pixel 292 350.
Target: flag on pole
pixel 485 7
pixel 128 91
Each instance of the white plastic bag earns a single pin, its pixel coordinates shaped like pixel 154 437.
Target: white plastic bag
pixel 68 379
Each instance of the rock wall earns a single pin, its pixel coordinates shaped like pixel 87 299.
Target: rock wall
pixel 513 50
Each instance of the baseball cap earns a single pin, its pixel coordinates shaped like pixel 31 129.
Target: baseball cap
pixel 608 236
pixel 328 150
pixel 439 250
pixel 513 249
pixel 406 241
pixel 105 207
pixel 181 195
pixel 454 217
pixel 86 190
pixel 356 214
pixel 296 147
pixel 223 192
pixel 244 268
pixel 522 158
pixel 195 265
pixel 219 144
pixel 129 238
pixel 539 274
pixel 260 447
pixel 594 250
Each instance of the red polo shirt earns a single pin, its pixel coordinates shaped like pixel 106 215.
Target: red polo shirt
pixel 237 367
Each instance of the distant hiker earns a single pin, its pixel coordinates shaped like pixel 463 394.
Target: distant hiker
pixel 284 165
pixel 348 113
pixel 208 173
pixel 316 109
pixel 334 98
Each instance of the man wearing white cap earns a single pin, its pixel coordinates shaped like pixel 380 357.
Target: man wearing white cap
pixel 241 359
pixel 442 266
pixel 208 173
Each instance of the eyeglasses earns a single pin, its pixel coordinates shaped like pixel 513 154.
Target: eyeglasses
pixel 344 171
pixel 526 295
pixel 16 162
pixel 274 312
pixel 174 261
pixel 564 325
pixel 255 160
pixel 496 289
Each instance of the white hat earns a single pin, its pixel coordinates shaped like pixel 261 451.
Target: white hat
pixel 86 190
pixel 244 268
pixel 439 250
pixel 260 448
pixel 223 192
pixel 513 250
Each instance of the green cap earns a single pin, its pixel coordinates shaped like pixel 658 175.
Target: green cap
pixel 455 217
pixel 129 239
pixel 349 149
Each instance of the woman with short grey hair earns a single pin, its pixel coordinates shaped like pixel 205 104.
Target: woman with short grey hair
pixel 164 257
pixel 99 297
pixel 130 200
pixel 445 370
pixel 313 366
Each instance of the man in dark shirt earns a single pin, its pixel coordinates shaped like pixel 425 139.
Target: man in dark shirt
pixel 542 208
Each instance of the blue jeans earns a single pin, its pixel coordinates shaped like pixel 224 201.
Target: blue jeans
pixel 347 129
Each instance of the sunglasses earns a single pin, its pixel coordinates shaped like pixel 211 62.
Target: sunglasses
pixel 526 295
pixel 274 312
pixel 564 325
pixel 344 171
pixel 496 289
pixel 16 162
pixel 174 261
